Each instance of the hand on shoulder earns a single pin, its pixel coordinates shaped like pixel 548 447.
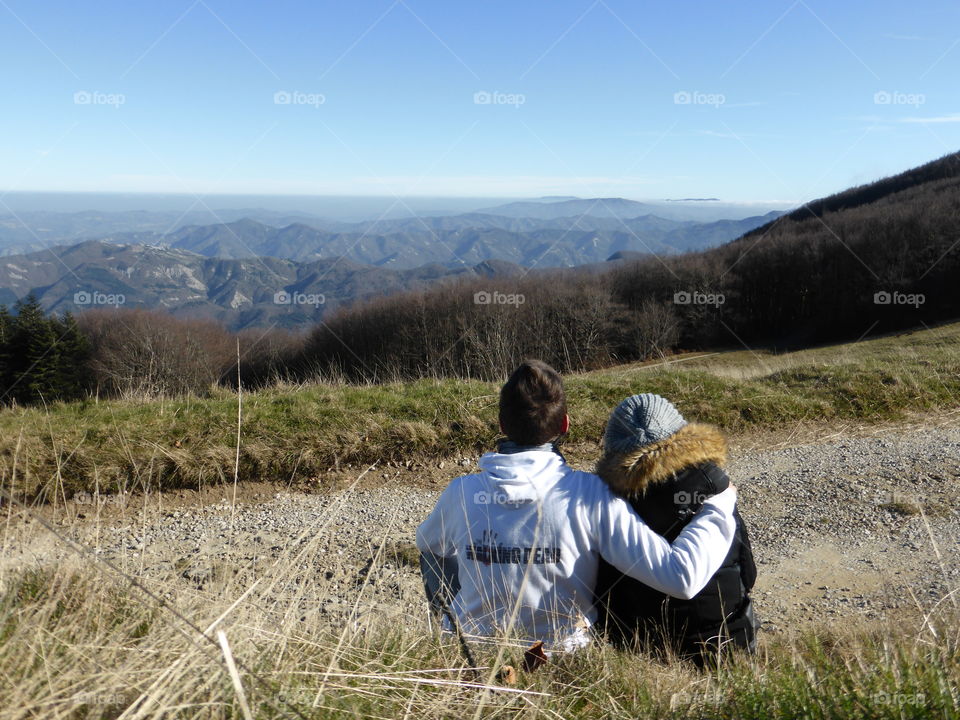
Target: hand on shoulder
pixel 725 500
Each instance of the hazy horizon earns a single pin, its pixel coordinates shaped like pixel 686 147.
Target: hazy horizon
pixel 334 207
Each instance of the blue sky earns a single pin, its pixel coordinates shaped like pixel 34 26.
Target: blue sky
pixel 771 101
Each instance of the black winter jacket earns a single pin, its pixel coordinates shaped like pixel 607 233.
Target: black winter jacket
pixel 666 483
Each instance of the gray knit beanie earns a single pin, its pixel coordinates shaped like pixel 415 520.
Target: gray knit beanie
pixel 641 420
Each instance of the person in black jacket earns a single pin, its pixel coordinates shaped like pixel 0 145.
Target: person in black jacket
pixel 666 467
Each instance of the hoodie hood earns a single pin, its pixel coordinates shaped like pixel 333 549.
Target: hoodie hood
pixel 631 473
pixel 520 478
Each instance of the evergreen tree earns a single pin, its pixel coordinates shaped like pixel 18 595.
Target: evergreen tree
pixel 6 348
pixel 35 354
pixel 73 355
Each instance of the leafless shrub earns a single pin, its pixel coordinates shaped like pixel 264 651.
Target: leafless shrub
pixel 144 353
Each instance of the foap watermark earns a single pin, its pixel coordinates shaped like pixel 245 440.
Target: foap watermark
pixel 485 97
pixel 99 699
pixel 895 97
pixel 283 297
pixel 898 699
pixel 95 97
pixel 689 498
pixel 685 297
pixel 296 696
pixel 683 700
pixel 485 297
pixel 295 97
pixel 95 297
pixel 885 297
pixel 85 498
pixel 695 97
pixel 498 498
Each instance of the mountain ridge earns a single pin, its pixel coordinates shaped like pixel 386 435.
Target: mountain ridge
pixel 466 238
pixel 240 293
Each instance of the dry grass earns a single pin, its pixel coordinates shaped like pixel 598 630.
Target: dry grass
pixel 80 642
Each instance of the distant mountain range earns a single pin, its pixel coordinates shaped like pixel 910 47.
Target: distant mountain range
pixel 231 271
pixel 253 292
pixel 28 230
pixel 546 233
pixel 459 241
pixel 575 207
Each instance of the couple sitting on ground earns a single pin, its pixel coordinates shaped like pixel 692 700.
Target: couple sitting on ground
pixel 649 553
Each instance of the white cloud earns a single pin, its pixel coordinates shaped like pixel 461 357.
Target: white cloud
pixel 955 118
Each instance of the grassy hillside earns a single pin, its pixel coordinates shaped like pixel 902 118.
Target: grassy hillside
pixel 297 433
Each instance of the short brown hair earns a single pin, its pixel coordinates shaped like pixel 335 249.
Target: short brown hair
pixel 533 404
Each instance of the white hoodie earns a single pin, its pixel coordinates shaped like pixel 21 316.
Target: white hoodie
pixel 528 533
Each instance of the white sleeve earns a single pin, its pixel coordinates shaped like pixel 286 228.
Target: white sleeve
pixel 682 569
pixel 433 534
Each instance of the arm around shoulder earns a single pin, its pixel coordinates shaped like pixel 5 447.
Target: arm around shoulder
pixel 682 569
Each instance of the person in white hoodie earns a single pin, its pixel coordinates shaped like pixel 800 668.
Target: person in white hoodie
pixel 513 551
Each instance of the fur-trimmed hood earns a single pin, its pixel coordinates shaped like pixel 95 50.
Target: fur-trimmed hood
pixel 630 474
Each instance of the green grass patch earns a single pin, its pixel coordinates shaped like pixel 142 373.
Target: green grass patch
pixel 296 434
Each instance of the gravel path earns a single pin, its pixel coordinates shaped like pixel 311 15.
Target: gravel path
pixel 837 527
pixel 836 530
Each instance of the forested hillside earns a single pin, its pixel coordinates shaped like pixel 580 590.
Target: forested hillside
pixel 872 259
